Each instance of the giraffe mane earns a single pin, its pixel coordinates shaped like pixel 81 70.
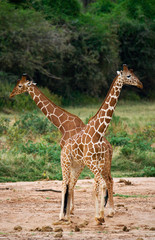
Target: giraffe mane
pixel 73 115
pixel 105 98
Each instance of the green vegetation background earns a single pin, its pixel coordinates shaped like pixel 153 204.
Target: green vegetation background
pixel 72 49
pixel 29 143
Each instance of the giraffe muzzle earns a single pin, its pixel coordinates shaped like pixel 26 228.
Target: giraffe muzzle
pixel 140 85
pixel 11 95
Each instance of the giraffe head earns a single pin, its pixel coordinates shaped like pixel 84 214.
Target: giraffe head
pixel 129 78
pixel 22 85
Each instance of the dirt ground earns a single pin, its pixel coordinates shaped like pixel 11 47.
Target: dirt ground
pixel 28 215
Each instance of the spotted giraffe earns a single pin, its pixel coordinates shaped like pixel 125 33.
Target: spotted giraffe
pixel 68 124
pixel 89 148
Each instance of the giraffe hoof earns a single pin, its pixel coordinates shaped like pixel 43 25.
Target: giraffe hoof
pixel 60 221
pixel 99 220
pixel 111 213
pixel 66 223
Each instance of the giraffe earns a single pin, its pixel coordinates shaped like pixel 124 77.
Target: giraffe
pixel 68 124
pixel 88 147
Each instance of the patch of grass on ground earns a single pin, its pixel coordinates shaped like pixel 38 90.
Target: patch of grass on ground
pixel 132 196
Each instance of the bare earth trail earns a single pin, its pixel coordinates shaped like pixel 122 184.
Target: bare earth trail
pixel 21 205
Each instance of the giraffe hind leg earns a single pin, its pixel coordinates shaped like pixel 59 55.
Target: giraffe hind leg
pixel 66 199
pixel 106 198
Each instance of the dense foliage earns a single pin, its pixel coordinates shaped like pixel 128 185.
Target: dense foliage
pixel 74 47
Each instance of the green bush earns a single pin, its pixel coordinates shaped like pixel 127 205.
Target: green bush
pixel 136 35
pixel 32 122
pixel 30 126
pixel 4 125
pixel 133 147
pixel 51 96
pixel 50 152
pixel 55 10
pixel 119 140
pixel 19 166
pixel 148 172
pixel 130 95
pixel 15 135
pixel 99 7
pixel 80 99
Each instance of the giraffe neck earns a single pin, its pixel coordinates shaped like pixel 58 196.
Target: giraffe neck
pixel 103 117
pixel 46 106
pixel 58 116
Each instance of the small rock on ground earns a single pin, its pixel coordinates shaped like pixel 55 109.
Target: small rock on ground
pixel 77 229
pixel 125 229
pixel 152 228
pixel 58 229
pixel 47 229
pixel 18 228
pixel 58 235
pixel 85 223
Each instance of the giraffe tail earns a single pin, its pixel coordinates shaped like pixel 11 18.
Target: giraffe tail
pixel 106 198
pixel 66 199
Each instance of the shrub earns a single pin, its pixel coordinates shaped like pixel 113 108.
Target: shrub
pixel 118 128
pixel 15 135
pixel 4 125
pixel 119 140
pixel 19 166
pixel 148 172
pixel 136 36
pixel 32 122
pixel 99 7
pixel 79 99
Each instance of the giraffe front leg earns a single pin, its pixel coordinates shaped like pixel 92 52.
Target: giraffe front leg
pixel 97 216
pixel 103 202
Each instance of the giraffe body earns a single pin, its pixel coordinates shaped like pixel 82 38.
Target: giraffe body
pixel 90 148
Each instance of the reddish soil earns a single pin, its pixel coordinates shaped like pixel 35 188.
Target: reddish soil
pixel 27 211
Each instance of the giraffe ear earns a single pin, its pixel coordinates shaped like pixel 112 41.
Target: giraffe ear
pixel 29 83
pixel 118 73
pixel 34 83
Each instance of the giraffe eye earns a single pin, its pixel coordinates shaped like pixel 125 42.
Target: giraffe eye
pixel 128 76
pixel 19 86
